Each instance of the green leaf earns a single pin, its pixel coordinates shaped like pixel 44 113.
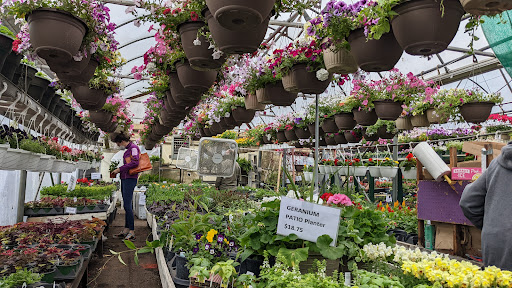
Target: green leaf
pixel 121 259
pixel 113 252
pixel 324 244
pixel 145 250
pixel 248 252
pixel 155 244
pixel 294 257
pixel 129 244
pixel 136 259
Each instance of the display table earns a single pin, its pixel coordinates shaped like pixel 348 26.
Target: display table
pixel 163 269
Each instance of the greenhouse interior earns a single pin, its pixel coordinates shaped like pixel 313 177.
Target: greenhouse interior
pixel 263 143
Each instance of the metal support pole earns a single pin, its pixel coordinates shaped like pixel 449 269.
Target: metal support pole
pixel 21 196
pixel 285 166
pixel 400 184
pixel 371 188
pixel 394 192
pixel 59 178
pixel 317 139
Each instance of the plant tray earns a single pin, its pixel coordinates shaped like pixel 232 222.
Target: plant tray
pixel 36 212
pixel 68 272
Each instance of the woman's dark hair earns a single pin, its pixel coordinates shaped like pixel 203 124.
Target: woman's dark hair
pixel 120 138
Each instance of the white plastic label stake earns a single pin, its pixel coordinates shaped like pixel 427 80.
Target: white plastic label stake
pixel 348 279
pixel 72 183
pixel 389 199
pixel 70 210
pixel 142 199
pixel 96 176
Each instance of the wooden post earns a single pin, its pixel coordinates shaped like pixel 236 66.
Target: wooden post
pixel 490 156
pixel 453 157
pixel 419 171
pixel 457 245
pixel 279 172
pixel 421 233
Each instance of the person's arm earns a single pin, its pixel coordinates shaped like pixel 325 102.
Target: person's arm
pixel 134 161
pixel 472 201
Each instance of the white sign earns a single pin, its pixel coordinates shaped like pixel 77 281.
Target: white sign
pixel 142 199
pixel 307 220
pixel 389 198
pixel 72 183
pixel 70 210
pixel 96 176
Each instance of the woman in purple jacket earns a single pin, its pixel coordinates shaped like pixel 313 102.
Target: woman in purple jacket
pixel 128 182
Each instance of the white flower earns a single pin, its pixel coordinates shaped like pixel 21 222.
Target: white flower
pixel 137 23
pixel 322 75
pixel 151 67
pixel 227 115
pixel 217 54
pixel 197 42
pixel 211 46
pixel 122 85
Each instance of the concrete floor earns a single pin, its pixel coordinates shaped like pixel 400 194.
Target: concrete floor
pixel 111 273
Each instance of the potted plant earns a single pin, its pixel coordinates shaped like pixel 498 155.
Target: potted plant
pixel 388 168
pixel 226 271
pixel 301 127
pixel 408 167
pixel 373 167
pixel 476 106
pixel 199 272
pixel 359 169
pixel 386 129
pixel 6 41
pixel 308 173
pixel 355 135
pixel 485 7
pixel 240 113
pixel 344 117
pixel 69 263
pixel 339 137
pixel 361 102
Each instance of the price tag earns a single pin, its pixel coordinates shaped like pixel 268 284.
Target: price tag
pixel 389 199
pixel 72 183
pixel 96 176
pixel 75 199
pixel 307 220
pixel 70 210
pixel 142 199
pixel 165 182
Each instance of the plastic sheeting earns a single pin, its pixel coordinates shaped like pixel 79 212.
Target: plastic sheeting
pixel 499 36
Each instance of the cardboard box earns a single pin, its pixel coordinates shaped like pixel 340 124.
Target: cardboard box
pixel 444 236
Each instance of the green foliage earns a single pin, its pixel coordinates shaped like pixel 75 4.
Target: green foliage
pixel 154 158
pixel 32 146
pixel 498 128
pixel 113 166
pixel 17 279
pixel 91 192
pixel 164 192
pixel 365 279
pixel 390 127
pixel 154 178
pixel 245 165
pixel 4 30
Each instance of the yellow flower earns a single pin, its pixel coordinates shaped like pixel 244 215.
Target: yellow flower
pixel 211 234
pixel 387 159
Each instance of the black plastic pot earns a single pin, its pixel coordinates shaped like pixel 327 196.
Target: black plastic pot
pixel 24 76
pixel 11 65
pixel 5 48
pixel 182 271
pixel 251 265
pixel 38 88
pixel 48 95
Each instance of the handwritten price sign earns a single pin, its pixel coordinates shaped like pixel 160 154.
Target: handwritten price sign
pixel 460 173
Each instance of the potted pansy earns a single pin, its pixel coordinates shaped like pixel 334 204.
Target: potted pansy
pixel 408 167
pixel 388 168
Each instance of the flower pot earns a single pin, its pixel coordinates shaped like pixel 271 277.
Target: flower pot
pixel 199 56
pixel 340 138
pixel 108 128
pixel 360 171
pixel 267 139
pixel 384 134
pixel 486 7
pixel 62 66
pixel 351 138
pixel 11 159
pixel 311 128
pixel 70 270
pixel 302 133
pixel 290 135
pixel 375 55
pixel 100 117
pixel 278 96
pixel 433 117
pixel 339 62
pixel 82 78
pixel 321 142
pixel 237 42
pixel 161 130
pixel 240 14
pixel 426 27
pixel 330 141
pixel 420 121
pixel 50 276
pixel 410 174
pixel 388 172
pixel 24 76
pixel 476 112
pixel 89 99
pixel 55 34
pixel 5 48
pixel 38 88
pixel 404 123
pixel 281 137
pixel 262 96
pixel 181 267
pixel 345 121
pixel 48 96
pixel 364 117
pixel 289 83
pixel 375 171
pixel 231 121
pixel 216 129
pixel 11 64
pixel 207 132
pixel 225 122
pixel 252 103
pixel 388 109
pixel 307 82
pixel 308 176
pixel 193 80
pixel 321 169
pixel 329 126
pixel 373 137
pixel 242 115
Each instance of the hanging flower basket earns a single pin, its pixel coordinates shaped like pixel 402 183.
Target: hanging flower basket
pixel 231 120
pixel 281 136
pixel 351 138
pixel 207 132
pixel 364 117
pixel 262 96
pixel 278 96
pixel 384 134
pixel 150 145
pixel 89 99
pixel 24 75
pixel 289 83
pixel 290 135
pixel 228 122
pixel 11 65
pixel 375 55
pixel 329 126
pixel 302 133
pixel 308 176
pixel 237 42
pixel 345 121
pixel 339 62
pixel 410 174
pixel 216 129
pixel 476 112
pixel 433 117
pixel 267 139
pixel 486 7
pixel 180 95
pixel 191 79
pixel 404 123
pixel 240 14
pixel 79 78
pixel 63 66
pixel 5 48
pixel 375 171
pixel 388 172
pixel 55 34
pixel 388 109
pixel 37 88
pixel 359 171
pixel 242 115
pixel 373 137
pixel 252 103
pixel 307 81
pixel 420 121
pixel 340 138
pixel 311 128
pixel 330 141
pixel 200 56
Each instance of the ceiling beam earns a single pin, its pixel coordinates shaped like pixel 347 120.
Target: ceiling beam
pixel 467 71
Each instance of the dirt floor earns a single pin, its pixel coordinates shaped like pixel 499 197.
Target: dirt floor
pixel 109 272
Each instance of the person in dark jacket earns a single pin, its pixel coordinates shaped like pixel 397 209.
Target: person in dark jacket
pixel 487 203
pixel 128 182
